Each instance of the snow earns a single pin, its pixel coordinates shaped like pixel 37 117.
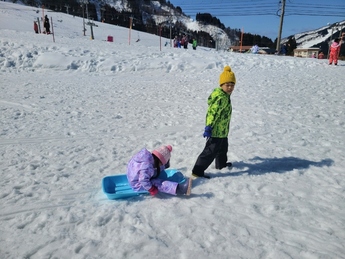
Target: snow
pixel 75 111
pixel 216 33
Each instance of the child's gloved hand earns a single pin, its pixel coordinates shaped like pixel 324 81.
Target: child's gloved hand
pixel 153 190
pixel 208 132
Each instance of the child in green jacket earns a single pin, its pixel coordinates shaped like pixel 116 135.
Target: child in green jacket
pixel 194 44
pixel 217 125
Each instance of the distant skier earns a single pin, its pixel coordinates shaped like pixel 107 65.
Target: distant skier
pixel 47 24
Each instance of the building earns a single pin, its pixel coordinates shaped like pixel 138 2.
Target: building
pixel 306 53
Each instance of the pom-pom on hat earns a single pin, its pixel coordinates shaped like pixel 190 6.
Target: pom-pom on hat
pixel 227 76
pixel 163 153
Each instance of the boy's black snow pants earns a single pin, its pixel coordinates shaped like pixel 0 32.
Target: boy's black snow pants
pixel 215 148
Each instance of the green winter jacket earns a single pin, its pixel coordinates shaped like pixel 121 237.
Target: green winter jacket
pixel 219 113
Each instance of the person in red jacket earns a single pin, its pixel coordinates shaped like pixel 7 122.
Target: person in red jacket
pixel 334 52
pixel 35 27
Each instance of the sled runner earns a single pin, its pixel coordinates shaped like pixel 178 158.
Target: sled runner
pixel 117 186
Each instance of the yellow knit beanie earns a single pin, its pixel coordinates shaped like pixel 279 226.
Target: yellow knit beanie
pixel 227 76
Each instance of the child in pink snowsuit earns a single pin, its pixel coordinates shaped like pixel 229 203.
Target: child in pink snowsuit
pixel 145 167
pixel 334 52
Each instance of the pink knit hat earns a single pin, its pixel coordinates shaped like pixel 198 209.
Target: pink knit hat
pixel 163 153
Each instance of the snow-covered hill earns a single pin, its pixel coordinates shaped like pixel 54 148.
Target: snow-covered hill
pixel 315 38
pixel 162 14
pixel 318 37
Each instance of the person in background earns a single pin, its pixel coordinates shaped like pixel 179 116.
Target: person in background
pixel 144 170
pixel 47 24
pixel 334 52
pixel 255 49
pixel 283 49
pixel 321 55
pixel 194 44
pixel 35 27
pixel 184 42
pixel 217 126
pixel 175 42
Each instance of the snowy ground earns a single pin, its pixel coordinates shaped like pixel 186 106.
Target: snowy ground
pixel 74 111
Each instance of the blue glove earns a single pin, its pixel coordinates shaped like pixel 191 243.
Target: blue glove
pixel 208 132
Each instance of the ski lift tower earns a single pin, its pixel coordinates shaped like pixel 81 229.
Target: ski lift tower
pixel 83 3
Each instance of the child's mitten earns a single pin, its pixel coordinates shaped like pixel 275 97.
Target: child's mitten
pixel 153 190
pixel 208 132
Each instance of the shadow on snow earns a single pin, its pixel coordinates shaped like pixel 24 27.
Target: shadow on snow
pixel 272 165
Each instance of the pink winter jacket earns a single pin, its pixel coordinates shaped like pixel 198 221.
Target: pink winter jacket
pixel 335 48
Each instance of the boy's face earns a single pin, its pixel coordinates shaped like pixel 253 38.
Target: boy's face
pixel 228 87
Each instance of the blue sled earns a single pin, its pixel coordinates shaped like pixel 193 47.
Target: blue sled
pixel 117 186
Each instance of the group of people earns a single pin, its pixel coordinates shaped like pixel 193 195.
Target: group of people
pixel 145 168
pixel 183 42
pixel 46 25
